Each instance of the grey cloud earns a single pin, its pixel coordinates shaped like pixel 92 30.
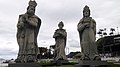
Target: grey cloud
pixel 73 43
pixel 7 52
pixel 64 11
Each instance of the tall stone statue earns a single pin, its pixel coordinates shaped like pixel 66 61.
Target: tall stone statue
pixel 87 32
pixel 27 32
pixel 60 36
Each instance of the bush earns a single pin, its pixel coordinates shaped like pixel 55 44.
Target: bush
pixel 113 65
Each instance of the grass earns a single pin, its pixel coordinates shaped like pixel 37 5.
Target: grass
pixel 72 65
pixel 113 65
pixel 46 63
pixel 61 66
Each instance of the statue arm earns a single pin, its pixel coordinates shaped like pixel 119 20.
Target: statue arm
pixel 55 34
pixel 20 23
pixel 80 26
pixel 65 38
pixel 94 26
pixel 60 33
pixel 33 22
pixel 64 34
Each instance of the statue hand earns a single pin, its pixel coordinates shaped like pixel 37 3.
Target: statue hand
pixel 59 32
pixel 87 25
pixel 25 18
pixel 20 25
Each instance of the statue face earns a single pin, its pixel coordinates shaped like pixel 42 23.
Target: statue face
pixel 60 26
pixel 86 13
pixel 31 11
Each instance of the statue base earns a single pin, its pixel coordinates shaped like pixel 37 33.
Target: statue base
pixel 88 63
pixel 59 62
pixel 24 65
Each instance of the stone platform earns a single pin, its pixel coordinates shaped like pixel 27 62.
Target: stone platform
pixel 87 63
pixel 59 62
pixel 24 65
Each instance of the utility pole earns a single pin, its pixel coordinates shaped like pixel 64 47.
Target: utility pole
pixel 118 30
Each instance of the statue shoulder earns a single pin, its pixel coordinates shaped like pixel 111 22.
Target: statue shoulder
pixel 36 17
pixel 81 20
pixel 60 30
pixel 56 30
pixel 64 30
pixel 93 21
pixel 21 15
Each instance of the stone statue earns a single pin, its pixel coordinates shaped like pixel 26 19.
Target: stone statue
pixel 60 36
pixel 87 31
pixel 27 32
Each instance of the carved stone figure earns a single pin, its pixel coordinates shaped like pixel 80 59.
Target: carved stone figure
pixel 27 32
pixel 87 32
pixel 60 36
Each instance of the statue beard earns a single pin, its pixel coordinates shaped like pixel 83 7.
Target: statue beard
pixel 30 12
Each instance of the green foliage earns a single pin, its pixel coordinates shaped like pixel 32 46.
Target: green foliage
pixel 113 65
pixel 62 66
pixel 45 62
pixel 104 40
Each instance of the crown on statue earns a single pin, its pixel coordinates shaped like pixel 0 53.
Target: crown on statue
pixel 86 8
pixel 32 3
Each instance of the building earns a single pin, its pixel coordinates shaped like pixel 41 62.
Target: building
pixel 109 45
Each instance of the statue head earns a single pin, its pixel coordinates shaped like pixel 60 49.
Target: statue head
pixel 32 3
pixel 31 7
pixel 61 25
pixel 86 11
pixel 30 10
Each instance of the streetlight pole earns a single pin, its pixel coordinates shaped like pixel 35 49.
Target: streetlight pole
pixel 118 30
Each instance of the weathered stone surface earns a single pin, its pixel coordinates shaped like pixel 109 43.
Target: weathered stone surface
pixel 89 63
pixel 59 62
pixel 27 32
pixel 24 65
pixel 60 36
pixel 87 32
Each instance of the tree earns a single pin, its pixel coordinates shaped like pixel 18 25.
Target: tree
pixel 100 32
pixel 112 31
pixel 104 33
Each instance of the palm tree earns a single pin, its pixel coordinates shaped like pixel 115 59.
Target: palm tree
pixel 100 32
pixel 112 31
pixel 104 33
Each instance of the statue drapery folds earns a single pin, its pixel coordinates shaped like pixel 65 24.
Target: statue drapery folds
pixel 27 31
pixel 60 36
pixel 87 32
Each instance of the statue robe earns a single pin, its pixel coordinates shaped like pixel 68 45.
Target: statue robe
pixel 87 38
pixel 60 36
pixel 27 33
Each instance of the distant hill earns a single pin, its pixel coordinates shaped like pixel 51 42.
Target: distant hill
pixel 2 59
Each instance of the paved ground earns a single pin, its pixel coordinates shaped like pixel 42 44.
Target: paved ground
pixel 3 64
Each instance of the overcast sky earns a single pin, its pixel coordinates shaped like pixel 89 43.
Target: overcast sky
pixel 105 12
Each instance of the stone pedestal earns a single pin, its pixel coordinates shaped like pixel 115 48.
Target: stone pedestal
pixel 59 62
pixel 87 63
pixel 24 65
